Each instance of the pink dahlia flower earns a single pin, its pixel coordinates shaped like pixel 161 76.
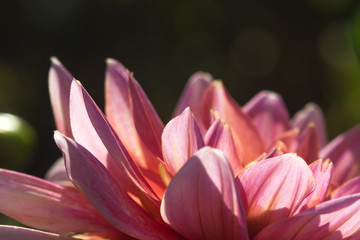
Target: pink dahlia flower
pixel 215 171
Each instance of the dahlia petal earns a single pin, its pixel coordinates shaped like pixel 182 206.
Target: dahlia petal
pixel 269 115
pixel 322 171
pixel 307 144
pixel 16 233
pixel 92 130
pixel 311 113
pixel 59 88
pixel 244 133
pixel 275 188
pixel 352 186
pixel 118 112
pixel 145 117
pixel 41 204
pixel 219 136
pixel 57 174
pixel 334 219
pixel 344 152
pixel 181 138
pixel 202 200
pixel 192 95
pixel 106 195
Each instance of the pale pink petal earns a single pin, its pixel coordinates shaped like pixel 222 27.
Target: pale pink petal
pixel 20 233
pixel 275 188
pixel 59 88
pixel 344 152
pixel 322 171
pixel 147 122
pixel 181 138
pixel 331 220
pixel 41 204
pixel 247 140
pixel 307 145
pixel 311 113
pixel 118 112
pixel 219 136
pixel 269 115
pixel 352 186
pixel 92 130
pixel 192 95
pixel 202 200
pixel 105 193
pixel 58 175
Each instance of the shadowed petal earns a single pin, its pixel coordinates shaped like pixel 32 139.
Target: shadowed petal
pixel 192 95
pixel 331 220
pixel 58 175
pixel 41 204
pixel 244 133
pixel 275 188
pixel 20 233
pixel 219 136
pixel 202 200
pixel 322 171
pixel 181 138
pixel 59 88
pixel 344 152
pixel 91 130
pixel 307 144
pixel 311 113
pixel 350 187
pixel 118 112
pixel 145 117
pixel 269 115
pixel 106 194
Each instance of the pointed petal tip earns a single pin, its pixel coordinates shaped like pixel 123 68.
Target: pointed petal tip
pixel 55 60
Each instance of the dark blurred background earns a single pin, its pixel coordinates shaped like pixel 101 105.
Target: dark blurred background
pixel 303 50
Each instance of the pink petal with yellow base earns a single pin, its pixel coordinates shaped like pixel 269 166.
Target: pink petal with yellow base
pixel 311 113
pixel 202 200
pixel 269 115
pixel 59 88
pixel 181 138
pixel 106 195
pixel 275 188
pixel 41 204
pixel 219 136
pixel 344 152
pixel 244 133
pixel 331 220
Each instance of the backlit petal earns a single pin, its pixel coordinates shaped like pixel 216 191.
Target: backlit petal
pixel 202 200
pixel 104 192
pixel 181 138
pixel 352 186
pixel 275 188
pixel 244 133
pixel 41 204
pixel 269 115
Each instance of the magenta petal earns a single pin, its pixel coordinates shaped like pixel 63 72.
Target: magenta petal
pixel 275 188
pixel 350 187
pixel 344 152
pixel 202 200
pixel 322 171
pixel 219 136
pixel 334 219
pixel 20 233
pixel 147 122
pixel 192 95
pixel 41 204
pixel 92 130
pixel 181 138
pixel 59 87
pixel 311 113
pixel 106 194
pixel 269 115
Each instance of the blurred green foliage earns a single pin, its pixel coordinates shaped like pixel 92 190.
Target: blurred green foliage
pixel 356 30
